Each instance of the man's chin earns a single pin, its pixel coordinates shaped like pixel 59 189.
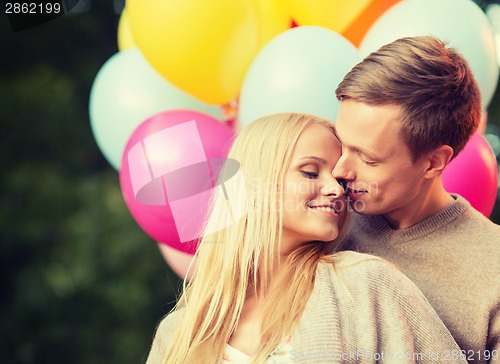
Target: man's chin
pixel 358 205
pixel 362 208
pixel 362 212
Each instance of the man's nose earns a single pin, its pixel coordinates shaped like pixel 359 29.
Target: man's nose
pixel 342 170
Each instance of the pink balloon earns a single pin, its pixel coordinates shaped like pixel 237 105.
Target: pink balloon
pixel 177 260
pixel 168 173
pixel 473 174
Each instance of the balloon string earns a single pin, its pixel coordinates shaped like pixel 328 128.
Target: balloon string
pixel 230 114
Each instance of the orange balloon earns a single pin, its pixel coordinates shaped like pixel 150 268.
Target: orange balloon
pixel 335 15
pixel 358 28
pixel 352 19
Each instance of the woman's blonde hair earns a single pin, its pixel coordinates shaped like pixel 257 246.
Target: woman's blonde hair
pixel 240 258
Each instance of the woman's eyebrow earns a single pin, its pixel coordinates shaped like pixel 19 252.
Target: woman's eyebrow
pixel 318 159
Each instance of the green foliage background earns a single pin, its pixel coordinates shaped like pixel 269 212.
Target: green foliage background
pixel 80 281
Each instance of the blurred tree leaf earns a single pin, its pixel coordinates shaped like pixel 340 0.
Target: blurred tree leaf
pixel 81 282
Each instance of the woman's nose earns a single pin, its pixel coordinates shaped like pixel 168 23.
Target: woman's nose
pixel 332 187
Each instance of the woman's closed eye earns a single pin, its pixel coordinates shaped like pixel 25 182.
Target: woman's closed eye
pixel 309 174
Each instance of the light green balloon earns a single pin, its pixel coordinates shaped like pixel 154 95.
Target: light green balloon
pixel 297 71
pixel 460 23
pixel 125 92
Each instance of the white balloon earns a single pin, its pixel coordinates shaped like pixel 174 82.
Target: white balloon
pixel 460 23
pixel 297 71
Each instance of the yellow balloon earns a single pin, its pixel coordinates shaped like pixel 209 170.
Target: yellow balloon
pixel 332 14
pixel 125 38
pixel 203 47
pixel 273 18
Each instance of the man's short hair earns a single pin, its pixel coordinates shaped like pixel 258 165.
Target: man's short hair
pixel 433 84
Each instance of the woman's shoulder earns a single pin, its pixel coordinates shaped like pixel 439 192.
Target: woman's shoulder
pixel 365 280
pixel 348 261
pixel 163 336
pixel 363 270
pixel 169 323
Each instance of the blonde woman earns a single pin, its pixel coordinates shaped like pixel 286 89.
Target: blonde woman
pixel 270 288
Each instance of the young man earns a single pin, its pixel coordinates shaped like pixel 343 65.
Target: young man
pixel 406 110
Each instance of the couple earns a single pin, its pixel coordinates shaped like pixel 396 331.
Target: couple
pixel 277 287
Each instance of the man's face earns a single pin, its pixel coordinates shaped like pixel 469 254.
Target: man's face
pixel 376 163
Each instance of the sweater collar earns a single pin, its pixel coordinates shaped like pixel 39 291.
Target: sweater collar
pixel 435 222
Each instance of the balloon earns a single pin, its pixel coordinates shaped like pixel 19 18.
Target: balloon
pixel 460 23
pixel 349 18
pixel 483 123
pixel 297 71
pixel 126 91
pixel 473 174
pixel 177 260
pixel 204 47
pixel 125 37
pixel 168 173
pixel 493 14
pixel 332 14
pixel 273 19
pixel 357 29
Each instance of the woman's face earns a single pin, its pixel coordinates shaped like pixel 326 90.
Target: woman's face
pixel 312 197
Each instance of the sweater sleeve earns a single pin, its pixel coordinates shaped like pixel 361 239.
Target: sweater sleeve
pixel 404 312
pixel 390 319
pixel 492 352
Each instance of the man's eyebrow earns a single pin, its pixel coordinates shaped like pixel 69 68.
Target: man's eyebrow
pixel 368 154
pixel 318 159
pixel 365 152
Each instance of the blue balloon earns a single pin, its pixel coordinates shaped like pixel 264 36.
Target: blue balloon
pixel 297 71
pixel 460 23
pixel 125 92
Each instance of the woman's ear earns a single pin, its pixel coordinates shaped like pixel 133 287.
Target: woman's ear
pixel 438 159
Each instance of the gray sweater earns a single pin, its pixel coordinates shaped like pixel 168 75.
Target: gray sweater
pixel 363 310
pixel 454 258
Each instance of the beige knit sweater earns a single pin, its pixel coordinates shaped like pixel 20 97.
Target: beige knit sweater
pixel 363 310
pixel 454 258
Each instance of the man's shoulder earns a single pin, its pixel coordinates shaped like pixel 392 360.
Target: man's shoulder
pixel 476 218
pixel 460 219
pixel 474 227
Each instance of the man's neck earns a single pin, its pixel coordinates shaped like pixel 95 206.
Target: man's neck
pixel 428 205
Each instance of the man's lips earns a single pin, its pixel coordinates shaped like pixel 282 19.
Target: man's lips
pixel 351 192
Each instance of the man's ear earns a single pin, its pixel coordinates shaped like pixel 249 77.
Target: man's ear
pixel 437 160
